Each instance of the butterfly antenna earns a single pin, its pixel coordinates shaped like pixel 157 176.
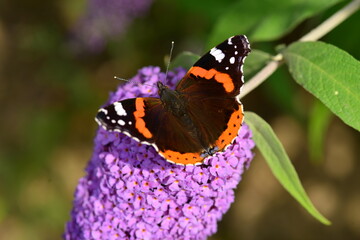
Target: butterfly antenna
pixel 127 80
pixel 168 64
pixel 121 79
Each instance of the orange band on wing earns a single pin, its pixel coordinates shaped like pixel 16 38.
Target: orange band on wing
pixel 182 158
pixel 231 130
pixel 139 122
pixel 222 78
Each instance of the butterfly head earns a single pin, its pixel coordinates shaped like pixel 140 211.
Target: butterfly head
pixel 164 91
pixel 161 87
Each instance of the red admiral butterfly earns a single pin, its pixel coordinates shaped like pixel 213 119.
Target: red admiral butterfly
pixel 200 117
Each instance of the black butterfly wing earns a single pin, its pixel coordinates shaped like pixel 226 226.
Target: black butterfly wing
pixel 146 120
pixel 218 121
pixel 209 93
pixel 211 88
pixel 220 71
pixel 124 116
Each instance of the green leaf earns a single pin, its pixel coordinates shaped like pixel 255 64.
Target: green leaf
pixel 265 20
pixel 185 60
pixel 318 123
pixel 279 163
pixel 330 74
pixel 254 62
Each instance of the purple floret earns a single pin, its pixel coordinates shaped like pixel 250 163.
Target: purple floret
pixel 131 192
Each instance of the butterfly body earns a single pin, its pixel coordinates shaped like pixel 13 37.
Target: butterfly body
pixel 171 100
pixel 200 117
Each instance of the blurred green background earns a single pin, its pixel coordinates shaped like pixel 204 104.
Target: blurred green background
pixel 52 83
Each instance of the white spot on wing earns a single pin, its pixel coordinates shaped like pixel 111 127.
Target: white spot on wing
pixel 229 41
pixel 127 134
pixel 103 110
pixel 98 122
pixel 180 164
pixel 218 54
pixel 169 160
pixel 238 98
pixel 156 148
pixel 121 122
pixel 119 109
pixel 247 42
pixel 232 60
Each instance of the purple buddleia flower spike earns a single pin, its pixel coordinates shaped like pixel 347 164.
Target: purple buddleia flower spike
pixel 131 192
pixel 103 20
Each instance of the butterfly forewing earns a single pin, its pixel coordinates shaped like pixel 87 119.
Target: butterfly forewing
pixel 223 65
pixel 127 117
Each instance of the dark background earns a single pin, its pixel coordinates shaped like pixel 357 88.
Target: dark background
pixel 51 86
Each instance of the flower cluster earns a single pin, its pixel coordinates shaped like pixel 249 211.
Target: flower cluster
pixel 104 19
pixel 130 192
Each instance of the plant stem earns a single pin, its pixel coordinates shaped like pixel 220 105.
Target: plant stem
pixel 313 35
pixel 332 22
pixel 261 76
